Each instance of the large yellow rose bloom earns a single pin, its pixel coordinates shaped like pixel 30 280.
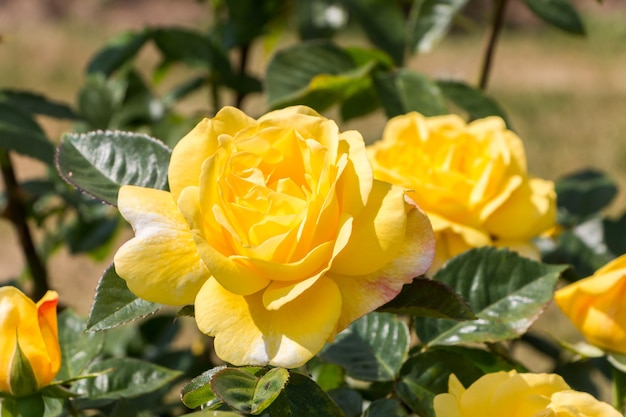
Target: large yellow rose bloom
pixel 470 179
pixel 596 306
pixel 276 230
pixel 512 394
pixel 33 327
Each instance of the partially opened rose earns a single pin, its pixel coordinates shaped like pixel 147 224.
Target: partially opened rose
pixel 471 180
pixel 276 230
pixel 30 356
pixel 512 394
pixel 596 306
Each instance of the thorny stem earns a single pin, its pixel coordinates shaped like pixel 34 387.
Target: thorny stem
pixel 16 213
pixel 496 27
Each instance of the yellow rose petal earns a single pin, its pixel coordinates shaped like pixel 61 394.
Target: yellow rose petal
pixel 529 211
pixel 161 263
pixel 225 268
pixel 571 403
pixel 368 292
pixel 246 333
pixel 377 233
pixel 191 151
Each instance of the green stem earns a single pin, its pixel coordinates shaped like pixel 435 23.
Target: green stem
pixel 16 212
pixel 496 28
pixel 619 389
pixel 244 54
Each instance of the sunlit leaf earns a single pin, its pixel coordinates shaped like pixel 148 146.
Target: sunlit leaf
pixel 429 22
pixel 198 391
pixel 506 291
pixel 124 378
pixel 78 347
pixel 114 304
pixel 291 70
pixel 372 348
pixel 249 392
pixel 99 163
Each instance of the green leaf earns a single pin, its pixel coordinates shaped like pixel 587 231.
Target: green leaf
pixel 99 163
pixel 20 133
pixel 198 391
pixel 318 19
pixel 33 103
pixel 78 348
pixel 386 407
pixel 117 52
pixel 406 90
pixel 291 70
pixel 615 234
pixel 428 298
pixel 429 21
pixel 362 102
pixel 506 291
pixel 327 375
pixel 558 13
pixel 302 397
pixel 349 400
pixel 372 348
pixel 582 247
pixel 192 48
pixel 248 19
pixel 99 99
pixel 382 22
pixel 32 406
pixel 114 304
pixel 247 392
pixel 475 102
pixel 582 195
pixel 126 378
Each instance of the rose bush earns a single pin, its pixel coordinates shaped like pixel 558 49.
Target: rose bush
pixel 470 179
pixel 596 306
pixel 276 230
pixel 515 394
pixel 29 342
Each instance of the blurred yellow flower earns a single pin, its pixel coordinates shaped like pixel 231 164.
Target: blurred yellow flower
pixel 276 230
pixel 513 394
pixel 470 179
pixel 32 329
pixel 596 306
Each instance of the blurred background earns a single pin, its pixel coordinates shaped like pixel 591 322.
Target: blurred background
pixel 565 95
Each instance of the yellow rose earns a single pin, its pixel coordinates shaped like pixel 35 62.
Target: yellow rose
pixel 596 306
pixel 518 395
pixel 276 230
pixel 33 329
pixel 470 179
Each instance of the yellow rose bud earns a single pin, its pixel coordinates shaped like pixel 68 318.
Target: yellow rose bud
pixel 27 331
pixel 596 306
pixel 518 395
pixel 276 230
pixel 470 179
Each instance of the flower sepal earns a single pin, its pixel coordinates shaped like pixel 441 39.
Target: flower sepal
pixel 22 379
pixel 28 406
